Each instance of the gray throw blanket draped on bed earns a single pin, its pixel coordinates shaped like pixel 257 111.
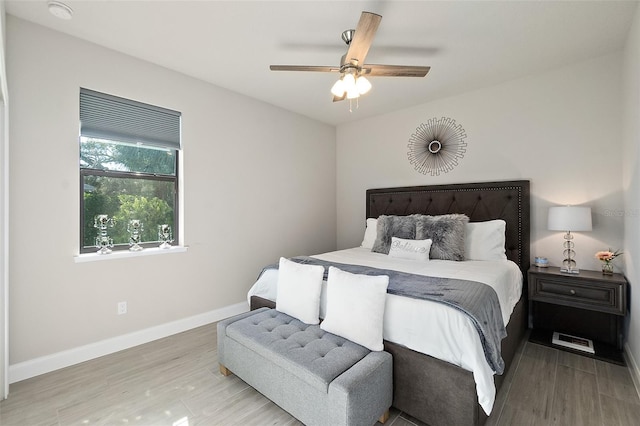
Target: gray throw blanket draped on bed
pixel 477 300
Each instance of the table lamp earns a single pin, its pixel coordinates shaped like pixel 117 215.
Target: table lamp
pixel 568 219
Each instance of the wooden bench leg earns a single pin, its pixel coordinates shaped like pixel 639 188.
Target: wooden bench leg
pixel 384 417
pixel 226 372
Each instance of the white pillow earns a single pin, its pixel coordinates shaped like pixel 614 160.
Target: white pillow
pixel 410 249
pixel 370 233
pixel 299 289
pixel 485 240
pixel 355 307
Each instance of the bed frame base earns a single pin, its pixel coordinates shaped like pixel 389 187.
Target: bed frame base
pixel 439 393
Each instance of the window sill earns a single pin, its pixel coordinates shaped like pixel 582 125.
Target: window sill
pixel 123 254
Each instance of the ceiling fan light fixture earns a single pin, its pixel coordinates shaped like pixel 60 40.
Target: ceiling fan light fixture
pixel 352 93
pixel 338 88
pixel 349 81
pixel 350 86
pixel 363 85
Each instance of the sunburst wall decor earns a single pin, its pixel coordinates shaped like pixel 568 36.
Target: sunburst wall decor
pixel 436 146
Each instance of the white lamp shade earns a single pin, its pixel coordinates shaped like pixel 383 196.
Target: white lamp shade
pixel 569 218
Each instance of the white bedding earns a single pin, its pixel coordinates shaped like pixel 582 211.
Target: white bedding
pixel 427 326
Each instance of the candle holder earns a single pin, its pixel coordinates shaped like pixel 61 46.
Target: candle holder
pixel 104 242
pixel 134 228
pixel 165 235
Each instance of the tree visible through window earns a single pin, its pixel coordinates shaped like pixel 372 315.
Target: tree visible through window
pixel 127 181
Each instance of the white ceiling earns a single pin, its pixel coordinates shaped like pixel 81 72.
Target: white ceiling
pixel 468 44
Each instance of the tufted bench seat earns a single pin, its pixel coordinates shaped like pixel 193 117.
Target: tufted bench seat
pixel 318 377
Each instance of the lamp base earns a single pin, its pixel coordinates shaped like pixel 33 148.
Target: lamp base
pixel 570 271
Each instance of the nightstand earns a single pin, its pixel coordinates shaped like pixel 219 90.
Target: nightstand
pixel 589 305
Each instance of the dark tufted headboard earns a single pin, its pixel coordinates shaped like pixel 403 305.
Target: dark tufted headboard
pixel 480 201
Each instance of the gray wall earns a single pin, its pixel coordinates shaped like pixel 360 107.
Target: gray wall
pixel 561 130
pixel 4 205
pixel 254 173
pixel 259 182
pixel 631 185
pixel 572 132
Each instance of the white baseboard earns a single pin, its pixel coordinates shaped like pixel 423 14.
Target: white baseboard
pixel 634 369
pixel 35 367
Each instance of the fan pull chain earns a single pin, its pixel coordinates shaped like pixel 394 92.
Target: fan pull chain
pixel 351 105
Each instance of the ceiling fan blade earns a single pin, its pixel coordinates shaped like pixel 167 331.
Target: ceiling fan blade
pixel 303 68
pixel 394 70
pixel 339 98
pixel 363 37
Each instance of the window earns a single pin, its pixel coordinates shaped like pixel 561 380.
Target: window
pixel 128 170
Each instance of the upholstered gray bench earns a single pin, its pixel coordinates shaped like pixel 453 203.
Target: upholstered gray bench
pixel 318 377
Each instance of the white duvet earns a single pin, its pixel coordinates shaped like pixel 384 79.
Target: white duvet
pixel 427 326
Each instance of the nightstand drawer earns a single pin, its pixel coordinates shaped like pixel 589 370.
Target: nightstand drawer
pixel 601 296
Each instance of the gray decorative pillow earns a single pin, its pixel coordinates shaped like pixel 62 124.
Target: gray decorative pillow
pixel 447 233
pixel 394 226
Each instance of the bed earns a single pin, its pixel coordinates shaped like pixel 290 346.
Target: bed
pixel 434 390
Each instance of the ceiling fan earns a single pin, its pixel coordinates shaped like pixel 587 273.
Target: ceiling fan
pixel 352 82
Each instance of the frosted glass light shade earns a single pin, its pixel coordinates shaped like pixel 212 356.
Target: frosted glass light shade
pixel 350 86
pixel 338 88
pixel 352 93
pixel 349 81
pixel 363 85
pixel 569 218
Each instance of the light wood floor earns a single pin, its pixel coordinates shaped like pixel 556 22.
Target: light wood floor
pixel 175 382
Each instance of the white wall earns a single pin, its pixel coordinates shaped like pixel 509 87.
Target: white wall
pixel 4 206
pixel 631 185
pixel 259 183
pixel 561 130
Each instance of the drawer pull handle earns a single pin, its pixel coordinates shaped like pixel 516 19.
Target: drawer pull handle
pixel 572 291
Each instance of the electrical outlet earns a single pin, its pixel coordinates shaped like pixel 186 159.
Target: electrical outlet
pixel 122 308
